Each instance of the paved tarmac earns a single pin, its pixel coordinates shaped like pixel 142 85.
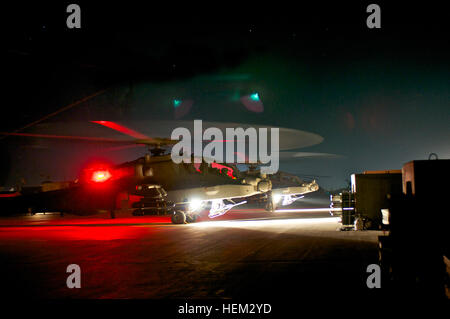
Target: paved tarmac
pixel 247 253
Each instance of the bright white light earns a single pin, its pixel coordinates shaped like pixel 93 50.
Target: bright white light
pixel 276 198
pixel 268 222
pixel 301 210
pixel 195 204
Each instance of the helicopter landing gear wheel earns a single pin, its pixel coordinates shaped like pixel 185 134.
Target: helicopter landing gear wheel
pixel 179 217
pixel 191 218
pixel 270 207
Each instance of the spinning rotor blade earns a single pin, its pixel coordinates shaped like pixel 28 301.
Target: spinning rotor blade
pixel 70 137
pixel 139 138
pixel 286 156
pixel 122 147
pixel 156 141
pixel 122 129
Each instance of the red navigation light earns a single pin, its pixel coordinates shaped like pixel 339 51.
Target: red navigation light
pixel 101 176
pixel 99 172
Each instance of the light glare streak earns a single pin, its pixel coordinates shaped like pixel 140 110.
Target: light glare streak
pixel 267 222
pixel 307 210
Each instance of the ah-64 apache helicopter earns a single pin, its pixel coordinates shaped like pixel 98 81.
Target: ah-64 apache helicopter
pixel 184 189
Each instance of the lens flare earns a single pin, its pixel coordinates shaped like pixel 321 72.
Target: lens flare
pixel 101 176
pixel 195 204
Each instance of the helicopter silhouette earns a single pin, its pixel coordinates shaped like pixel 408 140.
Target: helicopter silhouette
pixel 184 188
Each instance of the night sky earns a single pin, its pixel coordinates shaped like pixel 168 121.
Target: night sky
pixel 378 97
